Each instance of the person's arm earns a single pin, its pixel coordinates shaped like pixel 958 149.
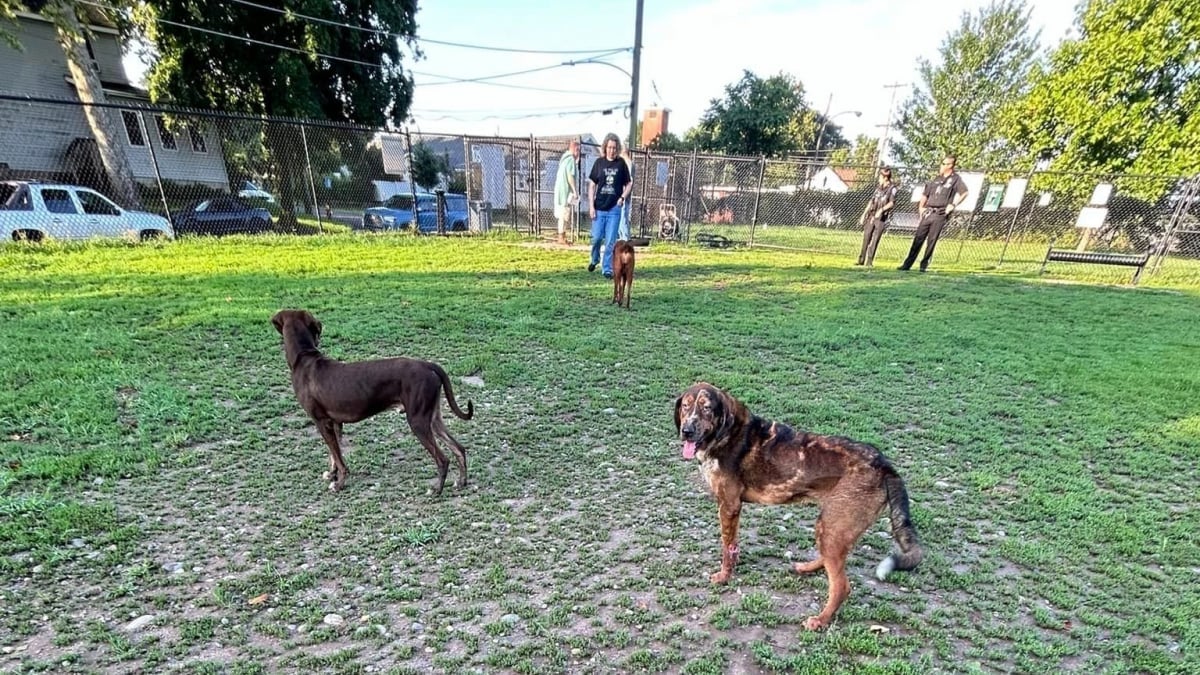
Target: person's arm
pixel 961 196
pixel 593 182
pixel 888 206
pixel 571 178
pixel 862 220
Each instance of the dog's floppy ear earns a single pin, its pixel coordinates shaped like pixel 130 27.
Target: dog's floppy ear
pixel 724 409
pixel 314 326
pixel 678 406
pixel 277 320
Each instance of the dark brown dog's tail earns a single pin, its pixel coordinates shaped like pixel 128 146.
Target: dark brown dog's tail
pixel 449 391
pixel 908 553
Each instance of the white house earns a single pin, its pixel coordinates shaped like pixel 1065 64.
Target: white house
pixel 52 141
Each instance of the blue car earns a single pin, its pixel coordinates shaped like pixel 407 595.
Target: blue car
pixel 397 213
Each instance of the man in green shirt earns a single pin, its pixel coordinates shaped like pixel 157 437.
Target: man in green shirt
pixel 566 193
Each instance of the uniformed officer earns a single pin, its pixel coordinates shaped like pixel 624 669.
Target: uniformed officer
pixel 942 195
pixel 875 216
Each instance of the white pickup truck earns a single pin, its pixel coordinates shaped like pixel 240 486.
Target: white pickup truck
pixel 34 211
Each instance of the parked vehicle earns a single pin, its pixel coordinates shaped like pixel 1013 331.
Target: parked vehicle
pixel 251 191
pixel 33 211
pixel 397 213
pixel 221 215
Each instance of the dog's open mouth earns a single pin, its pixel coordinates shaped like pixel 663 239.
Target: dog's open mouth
pixel 689 449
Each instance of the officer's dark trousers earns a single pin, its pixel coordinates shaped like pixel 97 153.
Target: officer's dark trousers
pixel 928 231
pixel 872 231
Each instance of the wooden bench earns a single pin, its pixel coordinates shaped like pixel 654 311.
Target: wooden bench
pixel 1098 258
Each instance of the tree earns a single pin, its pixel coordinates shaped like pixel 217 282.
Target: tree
pixel 1122 98
pixel 72 34
pixel 324 71
pixel 955 108
pixel 759 117
pixel 669 142
pixel 861 153
pixel 428 167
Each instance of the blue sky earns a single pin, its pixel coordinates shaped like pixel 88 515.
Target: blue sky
pixel 848 49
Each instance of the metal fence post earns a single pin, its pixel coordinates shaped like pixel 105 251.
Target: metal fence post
pixel 642 194
pixel 762 170
pixel 512 183
pixel 691 183
pixel 535 202
pixel 467 166
pixel 311 185
pixel 1013 224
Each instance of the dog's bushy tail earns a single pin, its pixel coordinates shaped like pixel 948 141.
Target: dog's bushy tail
pixel 449 391
pixel 908 553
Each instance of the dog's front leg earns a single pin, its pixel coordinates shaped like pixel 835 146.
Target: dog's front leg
pixel 332 433
pixel 730 511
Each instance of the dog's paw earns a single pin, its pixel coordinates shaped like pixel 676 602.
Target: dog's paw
pixel 720 577
pixel 814 623
pixel 333 486
pixel 328 475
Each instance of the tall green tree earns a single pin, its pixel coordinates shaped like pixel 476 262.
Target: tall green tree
pixel 428 167
pixel 759 116
pixel 984 66
pixel 1123 97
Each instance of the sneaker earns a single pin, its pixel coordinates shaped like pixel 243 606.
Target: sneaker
pixel 903 268
pixel 591 267
pixel 608 275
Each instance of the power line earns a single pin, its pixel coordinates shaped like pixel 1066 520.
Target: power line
pixel 429 40
pixel 245 39
pixel 555 108
pixel 465 80
pixel 548 89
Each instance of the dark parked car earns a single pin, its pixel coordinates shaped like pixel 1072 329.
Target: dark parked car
pixel 397 213
pixel 221 215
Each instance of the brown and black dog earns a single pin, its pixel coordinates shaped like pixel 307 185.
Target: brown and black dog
pixel 745 458
pixel 334 393
pixel 623 260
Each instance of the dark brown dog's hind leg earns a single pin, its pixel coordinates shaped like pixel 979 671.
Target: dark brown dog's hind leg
pixel 421 424
pixel 332 433
pixel 460 453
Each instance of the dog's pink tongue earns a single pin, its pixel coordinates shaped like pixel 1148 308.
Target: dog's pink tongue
pixel 689 449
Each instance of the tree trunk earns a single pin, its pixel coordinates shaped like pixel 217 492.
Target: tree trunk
pixel 103 122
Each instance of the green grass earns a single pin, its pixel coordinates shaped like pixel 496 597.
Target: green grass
pixel 153 461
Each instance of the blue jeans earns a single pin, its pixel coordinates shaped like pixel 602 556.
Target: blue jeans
pixel 623 230
pixel 604 231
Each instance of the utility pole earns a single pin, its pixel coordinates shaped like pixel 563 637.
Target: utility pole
pixel 888 125
pixel 637 78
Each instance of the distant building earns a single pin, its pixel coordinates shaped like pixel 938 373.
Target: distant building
pixel 654 124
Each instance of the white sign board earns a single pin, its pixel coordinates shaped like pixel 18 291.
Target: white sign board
pixel 1015 193
pixel 1045 198
pixel 1101 194
pixel 1091 217
pixel 395 155
pixel 974 183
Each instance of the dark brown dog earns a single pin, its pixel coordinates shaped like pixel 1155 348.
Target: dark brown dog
pixel 623 259
pixel 745 458
pixel 334 393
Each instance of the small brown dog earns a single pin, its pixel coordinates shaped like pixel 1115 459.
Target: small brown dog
pixel 745 458
pixel 334 393
pixel 623 260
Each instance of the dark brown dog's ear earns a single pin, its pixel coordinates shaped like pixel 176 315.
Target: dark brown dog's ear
pixel 277 320
pixel 724 410
pixel 678 406
pixel 315 326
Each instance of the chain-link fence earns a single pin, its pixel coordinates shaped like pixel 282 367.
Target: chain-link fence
pixel 218 173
